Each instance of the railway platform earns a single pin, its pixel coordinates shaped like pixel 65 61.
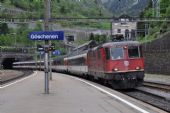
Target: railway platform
pixel 68 94
pixel 157 78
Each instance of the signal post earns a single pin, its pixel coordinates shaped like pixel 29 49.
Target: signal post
pixel 46 35
pixel 46 58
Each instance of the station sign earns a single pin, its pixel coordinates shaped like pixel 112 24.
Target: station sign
pixel 56 52
pixel 41 52
pixel 46 35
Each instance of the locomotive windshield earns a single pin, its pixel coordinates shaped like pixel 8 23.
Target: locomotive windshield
pixel 133 52
pixel 116 53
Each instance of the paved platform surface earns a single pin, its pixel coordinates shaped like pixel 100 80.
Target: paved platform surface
pixel 157 78
pixel 9 74
pixel 67 95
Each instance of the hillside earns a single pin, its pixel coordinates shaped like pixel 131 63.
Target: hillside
pixel 164 9
pixel 80 8
pixel 62 8
pixel 130 7
pixel 59 8
pixel 157 29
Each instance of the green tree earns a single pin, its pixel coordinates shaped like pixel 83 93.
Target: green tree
pixel 58 1
pixel 63 9
pixel 2 1
pixel 4 28
pixel 103 38
pixel 91 36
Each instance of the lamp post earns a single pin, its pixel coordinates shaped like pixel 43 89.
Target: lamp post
pixel 46 57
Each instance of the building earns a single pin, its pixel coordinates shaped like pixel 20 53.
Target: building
pixel 124 29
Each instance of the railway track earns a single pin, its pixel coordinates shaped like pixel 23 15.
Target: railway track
pixel 7 79
pixel 155 94
pixel 157 85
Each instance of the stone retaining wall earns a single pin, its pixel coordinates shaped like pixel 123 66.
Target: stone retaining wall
pixel 157 56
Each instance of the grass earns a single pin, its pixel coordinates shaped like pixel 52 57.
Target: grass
pixel 150 38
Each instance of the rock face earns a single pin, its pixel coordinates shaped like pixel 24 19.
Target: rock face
pixel 121 7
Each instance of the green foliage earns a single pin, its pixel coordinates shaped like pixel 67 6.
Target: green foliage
pixel 164 5
pixel 163 27
pixel 158 28
pixel 91 36
pixel 153 30
pixel 98 38
pixel 71 8
pixel 60 8
pixel 4 28
pixel 168 12
pixel 2 1
pixel 38 26
pixel 20 35
pixel 86 23
pixel 29 5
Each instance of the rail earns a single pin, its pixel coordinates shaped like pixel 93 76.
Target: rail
pixel 157 85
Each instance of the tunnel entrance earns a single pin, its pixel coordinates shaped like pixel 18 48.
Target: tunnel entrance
pixel 7 63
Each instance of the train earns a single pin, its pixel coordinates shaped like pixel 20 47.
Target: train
pixel 119 64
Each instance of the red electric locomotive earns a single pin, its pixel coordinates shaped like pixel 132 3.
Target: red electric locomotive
pixel 120 64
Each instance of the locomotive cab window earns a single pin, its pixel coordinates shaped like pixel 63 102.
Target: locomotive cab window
pixel 116 53
pixel 107 51
pixel 133 52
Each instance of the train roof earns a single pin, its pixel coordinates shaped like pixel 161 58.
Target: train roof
pixel 86 45
pixel 135 43
pixel 27 62
pixel 77 56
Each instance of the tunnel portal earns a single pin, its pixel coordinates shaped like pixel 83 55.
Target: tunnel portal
pixel 7 63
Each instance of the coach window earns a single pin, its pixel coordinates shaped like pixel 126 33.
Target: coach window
pixel 140 51
pixel 107 50
pixel 133 52
pixel 78 61
pixel 116 53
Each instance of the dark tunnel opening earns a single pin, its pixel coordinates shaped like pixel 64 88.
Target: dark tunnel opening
pixel 7 63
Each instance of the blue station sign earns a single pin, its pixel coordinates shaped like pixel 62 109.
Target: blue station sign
pixel 46 35
pixel 41 52
pixel 56 52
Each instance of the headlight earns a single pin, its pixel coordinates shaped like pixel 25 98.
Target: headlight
pixel 138 68
pixel 116 69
